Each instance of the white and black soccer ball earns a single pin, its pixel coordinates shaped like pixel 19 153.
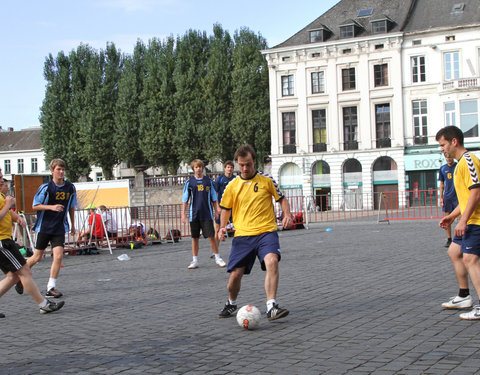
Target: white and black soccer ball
pixel 248 317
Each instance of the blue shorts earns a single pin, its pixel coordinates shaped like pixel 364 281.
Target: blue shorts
pixel 246 248
pixel 470 241
pixel 449 205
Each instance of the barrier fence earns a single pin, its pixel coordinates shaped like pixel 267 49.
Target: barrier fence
pixel 159 223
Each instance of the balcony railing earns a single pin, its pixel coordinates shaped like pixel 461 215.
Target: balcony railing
pixel 462 84
pixel 319 147
pixel 384 142
pixel 289 149
pixel 420 140
pixel 350 145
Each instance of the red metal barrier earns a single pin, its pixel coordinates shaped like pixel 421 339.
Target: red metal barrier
pixel 412 205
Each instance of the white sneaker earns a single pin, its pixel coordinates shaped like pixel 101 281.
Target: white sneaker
pixel 472 315
pixel 458 303
pixel 193 265
pixel 220 262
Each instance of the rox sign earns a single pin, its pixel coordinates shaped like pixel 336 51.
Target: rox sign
pixel 427 164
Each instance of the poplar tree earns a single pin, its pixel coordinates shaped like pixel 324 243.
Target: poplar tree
pixel 127 120
pixel 191 138
pixel 250 100
pixel 217 90
pixel 157 111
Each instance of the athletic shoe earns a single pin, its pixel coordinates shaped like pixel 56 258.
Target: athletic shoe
pixel 458 303
pixel 2 315
pixel 51 307
pixel 448 242
pixel 220 262
pixel 19 287
pixel 228 310
pixel 276 312
pixel 472 315
pixel 52 292
pixel 193 265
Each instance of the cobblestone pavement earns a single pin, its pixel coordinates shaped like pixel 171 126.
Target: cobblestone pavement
pixel 364 298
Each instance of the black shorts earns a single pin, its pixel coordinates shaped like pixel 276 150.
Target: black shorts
pixel 205 226
pixel 11 260
pixel 55 240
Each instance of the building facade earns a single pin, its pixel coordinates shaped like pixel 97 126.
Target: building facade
pixel 356 99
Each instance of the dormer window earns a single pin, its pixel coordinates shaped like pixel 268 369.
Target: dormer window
pixel 350 29
pixel 381 25
pixel 319 35
pixel 347 31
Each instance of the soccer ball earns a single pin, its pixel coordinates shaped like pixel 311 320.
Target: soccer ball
pixel 248 317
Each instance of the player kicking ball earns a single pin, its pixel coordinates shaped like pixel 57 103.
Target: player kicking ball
pixel 249 198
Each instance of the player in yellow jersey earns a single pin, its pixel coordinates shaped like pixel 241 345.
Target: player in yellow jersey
pixel 464 251
pixel 249 198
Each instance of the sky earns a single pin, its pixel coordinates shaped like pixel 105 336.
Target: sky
pixel 30 30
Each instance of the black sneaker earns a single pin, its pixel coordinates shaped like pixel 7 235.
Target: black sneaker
pixel 276 312
pixel 53 293
pixel 2 315
pixel 19 287
pixel 51 307
pixel 448 243
pixel 228 311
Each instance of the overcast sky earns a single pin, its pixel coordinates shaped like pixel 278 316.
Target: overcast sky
pixel 32 29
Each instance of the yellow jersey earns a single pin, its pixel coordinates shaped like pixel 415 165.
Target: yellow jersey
pixel 251 203
pixel 6 223
pixel 465 178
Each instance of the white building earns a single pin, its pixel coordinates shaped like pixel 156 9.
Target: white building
pixel 345 105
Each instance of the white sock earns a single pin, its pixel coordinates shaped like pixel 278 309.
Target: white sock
pixel 270 303
pixel 44 303
pixel 217 256
pixel 195 259
pixel 52 283
pixel 234 303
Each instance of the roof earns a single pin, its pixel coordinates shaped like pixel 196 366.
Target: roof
pixel 20 140
pixel 431 14
pixel 403 15
pixel 346 11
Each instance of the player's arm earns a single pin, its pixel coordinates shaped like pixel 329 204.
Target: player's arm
pixel 224 217
pixel 473 201
pixel 447 220
pixel 9 203
pixel 441 189
pixel 16 218
pixel 287 216
pixel 185 199
pixel 51 207
pixel 71 212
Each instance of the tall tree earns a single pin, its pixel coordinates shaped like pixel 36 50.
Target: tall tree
pixel 191 138
pixel 217 90
pixel 250 100
pixel 57 117
pixel 157 112
pixel 127 121
pixel 98 121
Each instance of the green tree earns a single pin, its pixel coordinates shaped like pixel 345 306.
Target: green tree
pixel 191 137
pixel 57 116
pixel 127 121
pixel 98 119
pixel 157 111
pixel 217 91
pixel 250 100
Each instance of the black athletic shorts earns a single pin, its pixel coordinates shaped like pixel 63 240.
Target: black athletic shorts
pixel 11 259
pixel 54 239
pixel 205 226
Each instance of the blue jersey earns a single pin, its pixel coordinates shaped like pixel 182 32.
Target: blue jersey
pixel 53 222
pixel 201 194
pixel 446 176
pixel 220 184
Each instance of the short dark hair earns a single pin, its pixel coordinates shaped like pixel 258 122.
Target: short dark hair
pixel 228 162
pixel 244 150
pixel 450 132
